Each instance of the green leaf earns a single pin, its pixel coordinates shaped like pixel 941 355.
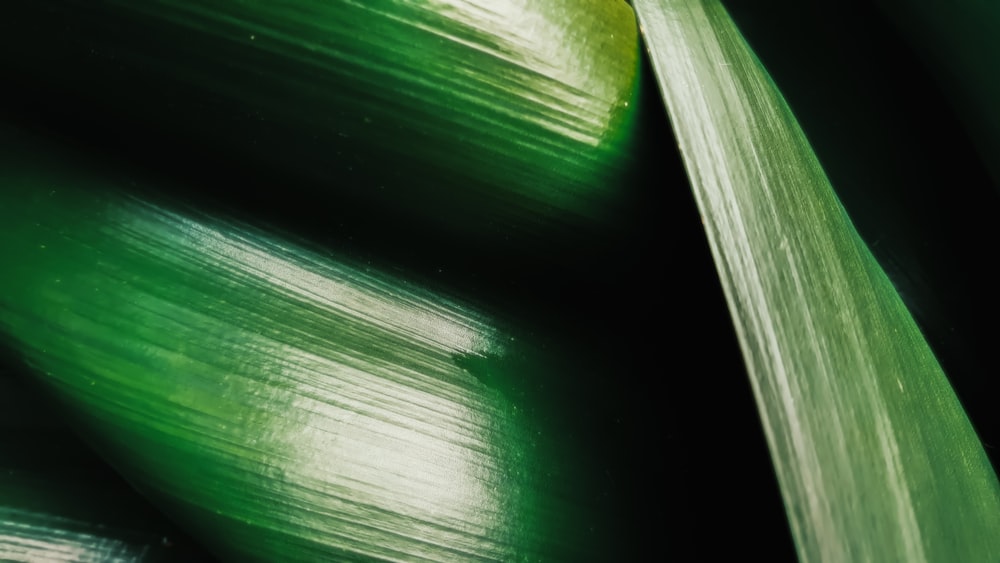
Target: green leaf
pixel 60 502
pixel 874 454
pixel 281 403
pixel 477 120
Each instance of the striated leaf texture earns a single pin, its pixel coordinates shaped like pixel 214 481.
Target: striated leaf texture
pixel 279 403
pixel 472 117
pixel 60 502
pixel 873 452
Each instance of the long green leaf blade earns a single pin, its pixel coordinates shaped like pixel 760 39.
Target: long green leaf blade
pixel 279 403
pixel 874 454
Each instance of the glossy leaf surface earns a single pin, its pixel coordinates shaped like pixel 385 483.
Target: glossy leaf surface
pixel 278 403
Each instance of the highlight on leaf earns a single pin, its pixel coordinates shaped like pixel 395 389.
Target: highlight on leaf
pixel 278 403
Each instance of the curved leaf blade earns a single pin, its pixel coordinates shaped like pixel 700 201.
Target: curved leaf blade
pixel 277 402
pixel 874 454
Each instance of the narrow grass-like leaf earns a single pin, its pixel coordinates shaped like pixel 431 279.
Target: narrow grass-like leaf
pixel 905 169
pixel 280 403
pixel 874 454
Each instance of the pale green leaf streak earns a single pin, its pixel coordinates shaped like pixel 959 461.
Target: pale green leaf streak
pixel 875 457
